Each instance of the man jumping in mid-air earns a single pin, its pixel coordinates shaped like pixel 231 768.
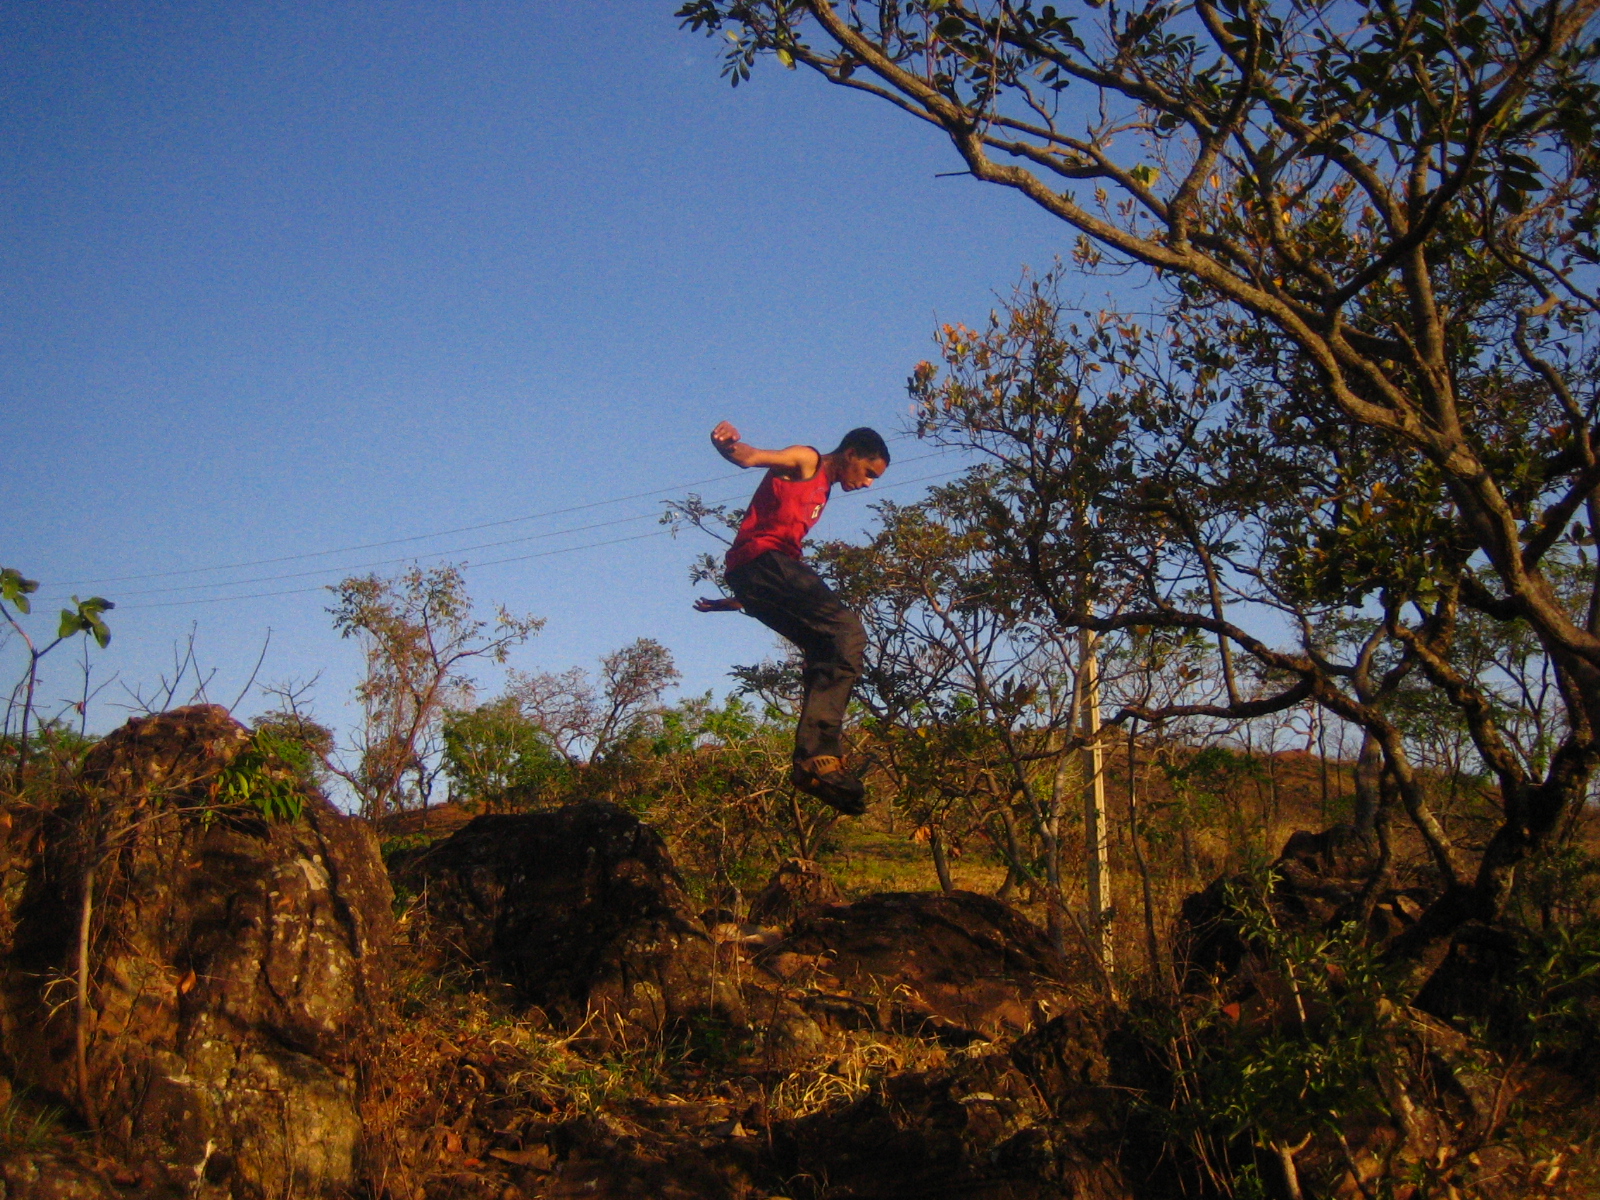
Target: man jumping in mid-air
pixel 771 584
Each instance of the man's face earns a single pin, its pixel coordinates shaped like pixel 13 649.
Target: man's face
pixel 860 472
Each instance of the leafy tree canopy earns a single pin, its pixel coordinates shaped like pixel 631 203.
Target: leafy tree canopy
pixel 1367 411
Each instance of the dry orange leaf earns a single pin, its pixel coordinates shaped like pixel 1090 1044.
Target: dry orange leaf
pixel 538 1157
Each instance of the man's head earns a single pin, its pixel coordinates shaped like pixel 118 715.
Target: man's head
pixel 863 456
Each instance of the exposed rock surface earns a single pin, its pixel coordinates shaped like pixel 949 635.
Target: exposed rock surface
pixel 580 909
pixel 234 966
pixel 43 1176
pixel 1040 1122
pixel 958 966
pixel 1319 879
pixel 797 887
pixel 1477 980
pixel 21 847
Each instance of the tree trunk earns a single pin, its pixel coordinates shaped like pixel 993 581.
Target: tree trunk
pixel 1191 862
pixel 1016 874
pixel 1532 815
pixel 1136 839
pixel 941 863
pixel 1383 869
pixel 1097 831
pixel 802 838
pixel 1369 767
pixel 1322 763
pixel 1050 834
pixel 27 713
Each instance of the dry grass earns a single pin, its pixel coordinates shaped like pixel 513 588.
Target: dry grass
pixel 460 1075
pixel 866 858
pixel 466 1076
pixel 849 1071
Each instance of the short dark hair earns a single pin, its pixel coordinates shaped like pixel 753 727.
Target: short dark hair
pixel 865 443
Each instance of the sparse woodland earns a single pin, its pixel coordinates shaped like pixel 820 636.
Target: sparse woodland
pixel 1252 668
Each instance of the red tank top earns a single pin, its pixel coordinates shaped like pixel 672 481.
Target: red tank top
pixel 781 513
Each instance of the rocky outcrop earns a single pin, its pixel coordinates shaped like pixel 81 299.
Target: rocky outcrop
pixel 797 887
pixel 579 909
pixel 1319 880
pixel 28 1175
pixel 993 1124
pixel 958 966
pixel 233 965
pixel 1043 1122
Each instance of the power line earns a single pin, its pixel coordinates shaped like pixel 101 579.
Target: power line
pixel 416 537
pixel 322 587
pixel 188 587
pixel 420 537
pixel 469 566
pixel 388 562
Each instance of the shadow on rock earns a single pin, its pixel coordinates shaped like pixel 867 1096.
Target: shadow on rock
pixel 579 909
pixel 1318 881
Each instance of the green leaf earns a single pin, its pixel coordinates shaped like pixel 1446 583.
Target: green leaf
pixel 86 619
pixel 15 588
pixel 786 58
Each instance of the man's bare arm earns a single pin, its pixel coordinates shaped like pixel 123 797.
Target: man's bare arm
pixel 795 462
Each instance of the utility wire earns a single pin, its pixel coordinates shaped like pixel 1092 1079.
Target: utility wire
pixel 388 562
pixel 416 537
pixel 189 587
pixel 323 587
pixel 419 537
pixel 432 554
pixel 469 566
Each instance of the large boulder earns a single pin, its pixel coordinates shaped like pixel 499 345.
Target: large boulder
pixel 579 909
pixel 959 966
pixel 234 964
pixel 1318 881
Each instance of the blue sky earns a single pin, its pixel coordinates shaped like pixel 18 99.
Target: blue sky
pixel 279 278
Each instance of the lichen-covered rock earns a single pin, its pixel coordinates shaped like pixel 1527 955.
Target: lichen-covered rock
pixel 797 887
pixel 580 909
pixel 958 966
pixel 43 1176
pixel 234 965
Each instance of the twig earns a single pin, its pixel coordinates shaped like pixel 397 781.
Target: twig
pixel 249 683
pixel 1351 1164
pixel 1088 945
